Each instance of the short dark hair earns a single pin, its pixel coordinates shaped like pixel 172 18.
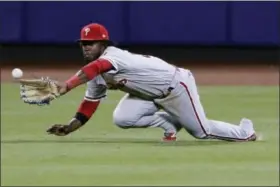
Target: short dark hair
pixel 107 43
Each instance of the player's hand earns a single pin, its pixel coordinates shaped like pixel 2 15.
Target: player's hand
pixel 59 130
pixel 62 87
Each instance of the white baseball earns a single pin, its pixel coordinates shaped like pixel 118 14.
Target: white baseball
pixel 17 73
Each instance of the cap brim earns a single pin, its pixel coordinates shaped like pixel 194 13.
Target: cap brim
pixel 80 40
pixel 88 40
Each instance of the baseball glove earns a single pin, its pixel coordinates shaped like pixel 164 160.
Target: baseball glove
pixel 38 91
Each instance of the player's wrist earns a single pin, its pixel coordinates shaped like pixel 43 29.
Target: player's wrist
pixel 80 118
pixel 66 129
pixel 71 83
pixel 76 80
pixel 75 123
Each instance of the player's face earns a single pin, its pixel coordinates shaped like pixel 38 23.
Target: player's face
pixel 91 50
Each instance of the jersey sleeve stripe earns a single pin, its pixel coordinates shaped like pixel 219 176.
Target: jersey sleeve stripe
pixel 94 99
pixel 114 64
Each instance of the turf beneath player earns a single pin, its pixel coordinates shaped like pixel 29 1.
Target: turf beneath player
pixel 103 154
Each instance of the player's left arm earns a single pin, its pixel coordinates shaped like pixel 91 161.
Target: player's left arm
pixel 42 91
pixel 86 73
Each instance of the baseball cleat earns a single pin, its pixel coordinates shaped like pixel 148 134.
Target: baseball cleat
pixel 252 138
pixel 169 137
pixel 247 125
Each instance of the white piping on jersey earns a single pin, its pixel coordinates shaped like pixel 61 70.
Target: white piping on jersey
pixel 93 100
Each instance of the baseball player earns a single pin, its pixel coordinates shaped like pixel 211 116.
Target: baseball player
pixel 151 84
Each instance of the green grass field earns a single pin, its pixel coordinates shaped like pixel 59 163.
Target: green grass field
pixel 102 154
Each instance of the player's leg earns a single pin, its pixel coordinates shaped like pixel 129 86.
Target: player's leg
pixel 133 112
pixel 184 104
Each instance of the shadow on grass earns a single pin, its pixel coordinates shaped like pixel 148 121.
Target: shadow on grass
pixel 121 141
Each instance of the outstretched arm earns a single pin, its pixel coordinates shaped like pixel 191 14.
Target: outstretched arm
pixel 88 72
pixel 42 91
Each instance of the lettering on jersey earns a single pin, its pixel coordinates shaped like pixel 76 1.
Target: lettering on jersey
pixel 121 83
pixel 115 86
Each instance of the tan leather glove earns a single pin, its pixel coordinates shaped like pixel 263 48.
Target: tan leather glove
pixel 38 91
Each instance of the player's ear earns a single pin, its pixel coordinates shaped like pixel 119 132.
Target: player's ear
pixel 103 45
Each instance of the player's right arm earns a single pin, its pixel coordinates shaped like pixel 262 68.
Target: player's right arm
pixel 83 114
pixel 94 93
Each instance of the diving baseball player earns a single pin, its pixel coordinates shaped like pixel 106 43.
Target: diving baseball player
pixel 151 84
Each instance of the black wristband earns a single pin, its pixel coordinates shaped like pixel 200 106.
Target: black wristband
pixel 81 117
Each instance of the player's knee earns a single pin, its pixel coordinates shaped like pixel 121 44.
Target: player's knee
pixel 203 132
pixel 122 121
pixel 199 134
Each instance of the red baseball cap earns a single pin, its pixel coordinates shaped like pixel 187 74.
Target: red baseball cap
pixel 94 32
